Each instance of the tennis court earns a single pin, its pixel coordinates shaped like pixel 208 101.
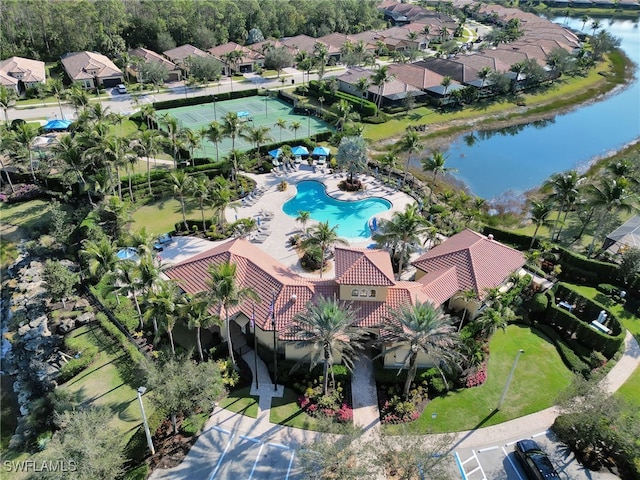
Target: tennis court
pixel 255 111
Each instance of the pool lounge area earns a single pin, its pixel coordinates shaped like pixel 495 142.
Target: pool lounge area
pixel 280 226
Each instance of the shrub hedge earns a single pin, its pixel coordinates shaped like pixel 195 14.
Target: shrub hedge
pixel 366 107
pixel 586 270
pixel 185 102
pixel 572 361
pixel 517 240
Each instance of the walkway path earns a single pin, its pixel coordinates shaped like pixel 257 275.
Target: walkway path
pixel 365 396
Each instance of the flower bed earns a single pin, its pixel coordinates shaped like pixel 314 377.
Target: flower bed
pixel 395 409
pixel 334 405
pixel 23 192
pixel 478 377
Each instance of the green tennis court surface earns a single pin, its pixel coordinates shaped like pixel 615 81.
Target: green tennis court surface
pixel 256 111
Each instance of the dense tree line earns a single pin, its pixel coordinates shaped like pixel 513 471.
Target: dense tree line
pixel 46 30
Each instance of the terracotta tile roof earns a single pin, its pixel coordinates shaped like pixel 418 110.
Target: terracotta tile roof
pixel 179 54
pixel 14 69
pixel 440 285
pixel 363 267
pixel 248 55
pixel 151 56
pixel 307 44
pixel 415 76
pixel 80 65
pixel 480 262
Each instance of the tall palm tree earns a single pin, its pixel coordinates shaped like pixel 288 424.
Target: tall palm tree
pixel 125 280
pixel 483 74
pixel 325 326
pixel 193 140
pixel 200 191
pixel 303 217
pixel 24 135
pixel 342 114
pixel 609 196
pixel 389 161
pixel 101 256
pixel 174 136
pixel 363 86
pixel 232 127
pixel 466 296
pixel 436 164
pixel 227 294
pixel 446 83
pixel 148 142
pixel 282 125
pixel 7 99
pixel 321 58
pixel 55 86
pixel 149 114
pixel 78 97
pixel 294 127
pixel 595 26
pixel 69 151
pixel 162 309
pixel 258 136
pixel 411 144
pixel 564 187
pixel 492 318
pixel 195 310
pixel 379 79
pixel 181 183
pixel 5 141
pixel 116 151
pixel 215 135
pixel 404 229
pixel 539 213
pixel 220 197
pixel 422 328
pixel 324 237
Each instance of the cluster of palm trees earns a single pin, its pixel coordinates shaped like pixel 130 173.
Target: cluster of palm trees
pixel 594 199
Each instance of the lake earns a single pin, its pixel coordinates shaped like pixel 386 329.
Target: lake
pixel 521 158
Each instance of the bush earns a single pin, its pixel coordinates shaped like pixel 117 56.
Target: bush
pixel 312 259
pixel 81 360
pixel 539 302
pixel 194 424
pixel 518 240
pixel 587 270
pixel 183 102
pixel 607 289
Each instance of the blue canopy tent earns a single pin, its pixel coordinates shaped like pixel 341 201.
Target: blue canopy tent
pixel 300 150
pixel 275 153
pixel 128 253
pixel 244 116
pixel 57 126
pixel 321 151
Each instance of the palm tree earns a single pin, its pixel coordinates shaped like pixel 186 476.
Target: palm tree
pixel 196 311
pixel 215 135
pixel 404 229
pixel 539 212
pixel 584 19
pixel 232 127
pixel 321 58
pixel 282 125
pixel 101 256
pixel 446 83
pixel 389 161
pixel 193 140
pixel 343 114
pixel 409 143
pixel 379 79
pixel 55 86
pixel 492 318
pixel 162 308
pixel 7 99
pixel 68 150
pixel 595 26
pixel 220 198
pixel 226 293
pixel 363 86
pixel 257 136
pixel 149 144
pixel 303 217
pixel 24 135
pixel 423 328
pixel 609 196
pixel 324 237
pixel 436 164
pixel 483 74
pixel 174 136
pixel 466 296
pixel 294 127
pixel 115 150
pixel 564 187
pixel 181 183
pixel 200 191
pixel 78 97
pixel 148 113
pixel 125 280
pixel 325 326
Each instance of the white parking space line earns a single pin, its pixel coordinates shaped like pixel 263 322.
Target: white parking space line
pixel 253 439
pixel 293 454
pixel 278 445
pixel 462 465
pixel 219 429
pixel 256 461
pixel 506 454
pixel 213 474
pixel 540 434
pixel 488 449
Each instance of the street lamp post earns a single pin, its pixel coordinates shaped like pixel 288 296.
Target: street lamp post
pixel 141 391
pixel 215 114
pixel 308 123
pixel 266 102
pixel 255 344
pixel 506 387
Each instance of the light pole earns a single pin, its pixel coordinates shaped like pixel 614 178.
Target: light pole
pixel 255 344
pixel 141 391
pixel 266 102
pixel 506 387
pixel 215 114
pixel 308 123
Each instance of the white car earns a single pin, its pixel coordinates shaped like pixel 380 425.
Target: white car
pixel 121 88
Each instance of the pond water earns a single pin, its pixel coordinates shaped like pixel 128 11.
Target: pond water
pixel 520 158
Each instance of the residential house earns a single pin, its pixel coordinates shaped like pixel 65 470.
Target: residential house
pixel 19 74
pixel 249 60
pixel 180 56
pixel 91 70
pixel 392 92
pixel 364 278
pixel 305 43
pixel 149 56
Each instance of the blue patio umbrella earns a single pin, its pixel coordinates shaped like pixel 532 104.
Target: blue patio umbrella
pixel 57 125
pixel 321 151
pixel 300 150
pixel 275 153
pixel 374 224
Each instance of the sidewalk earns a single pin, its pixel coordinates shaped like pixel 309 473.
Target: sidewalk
pixel 365 397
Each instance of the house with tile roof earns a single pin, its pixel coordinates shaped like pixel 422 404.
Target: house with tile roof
pixel 18 73
pixel 363 277
pixel 393 92
pixel 249 60
pixel 181 54
pixel 91 70
pixel 149 56
pixel 305 43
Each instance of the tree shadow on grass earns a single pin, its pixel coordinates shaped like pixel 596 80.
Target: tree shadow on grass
pixel 473 430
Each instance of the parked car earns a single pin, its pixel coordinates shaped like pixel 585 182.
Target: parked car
pixel 163 240
pixel 535 462
pixel 121 88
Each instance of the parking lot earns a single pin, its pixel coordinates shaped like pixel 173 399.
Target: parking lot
pixel 498 462
pixel 234 454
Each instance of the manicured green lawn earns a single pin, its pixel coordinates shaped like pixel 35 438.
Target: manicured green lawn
pixel 285 411
pixel 103 383
pixel 539 377
pixel 631 387
pixel 29 215
pixel 161 217
pixel 241 402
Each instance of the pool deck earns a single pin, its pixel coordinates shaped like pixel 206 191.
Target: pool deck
pixel 282 226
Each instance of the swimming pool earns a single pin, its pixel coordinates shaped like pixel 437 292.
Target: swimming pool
pixel 351 217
